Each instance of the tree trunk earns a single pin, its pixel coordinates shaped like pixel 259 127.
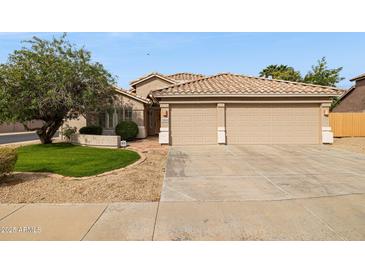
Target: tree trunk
pixel 48 130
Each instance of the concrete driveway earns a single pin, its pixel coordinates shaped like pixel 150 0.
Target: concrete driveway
pixel 220 193
pixel 262 193
pixel 262 172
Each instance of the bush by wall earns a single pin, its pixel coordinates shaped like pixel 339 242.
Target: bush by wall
pixel 68 131
pixel 91 130
pixel 8 157
pixel 127 130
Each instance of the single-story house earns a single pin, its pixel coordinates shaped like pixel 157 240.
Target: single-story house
pixel 192 109
pixel 353 100
pixel 135 104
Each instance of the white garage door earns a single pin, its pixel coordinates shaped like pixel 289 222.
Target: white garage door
pixel 273 123
pixel 193 124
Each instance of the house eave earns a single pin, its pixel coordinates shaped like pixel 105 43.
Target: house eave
pixel 245 95
pixel 133 97
pixel 136 82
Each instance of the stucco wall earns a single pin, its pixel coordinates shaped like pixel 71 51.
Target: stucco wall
pixel 95 140
pixel 138 115
pixel 354 101
pixel 143 88
pixel 78 123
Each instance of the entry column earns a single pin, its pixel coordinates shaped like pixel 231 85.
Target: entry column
pixel 327 134
pixel 164 135
pixel 221 122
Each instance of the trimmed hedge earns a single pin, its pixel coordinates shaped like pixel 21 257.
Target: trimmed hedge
pixel 127 130
pixel 8 157
pixel 91 130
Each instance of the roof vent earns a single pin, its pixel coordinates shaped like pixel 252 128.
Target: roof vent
pixel 269 77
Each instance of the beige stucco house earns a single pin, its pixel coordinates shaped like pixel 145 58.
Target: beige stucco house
pixel 192 109
pixel 135 104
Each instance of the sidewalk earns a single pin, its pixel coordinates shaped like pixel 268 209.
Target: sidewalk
pixel 328 218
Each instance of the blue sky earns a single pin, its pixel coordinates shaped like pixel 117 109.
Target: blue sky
pixel 131 55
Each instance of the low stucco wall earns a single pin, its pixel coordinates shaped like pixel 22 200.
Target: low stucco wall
pixel 95 140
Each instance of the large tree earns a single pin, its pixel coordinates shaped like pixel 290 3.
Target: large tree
pixel 51 80
pixel 322 75
pixel 281 72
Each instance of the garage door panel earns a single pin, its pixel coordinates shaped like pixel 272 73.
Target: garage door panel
pixel 193 124
pixel 272 123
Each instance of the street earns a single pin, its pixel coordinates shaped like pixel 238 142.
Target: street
pixel 15 138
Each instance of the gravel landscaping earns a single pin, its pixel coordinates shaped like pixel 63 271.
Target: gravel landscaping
pixel 354 144
pixel 139 182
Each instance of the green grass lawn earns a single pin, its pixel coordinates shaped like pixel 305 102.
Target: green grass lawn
pixel 72 160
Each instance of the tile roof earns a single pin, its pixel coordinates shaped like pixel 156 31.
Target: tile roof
pixel 361 76
pixel 227 84
pixel 185 76
pixel 133 95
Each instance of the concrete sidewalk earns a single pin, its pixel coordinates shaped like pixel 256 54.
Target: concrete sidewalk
pixel 327 218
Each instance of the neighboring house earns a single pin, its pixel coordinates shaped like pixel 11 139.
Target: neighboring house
pixel 18 127
pixel 354 99
pixel 190 109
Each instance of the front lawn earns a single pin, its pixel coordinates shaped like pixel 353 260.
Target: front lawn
pixel 71 160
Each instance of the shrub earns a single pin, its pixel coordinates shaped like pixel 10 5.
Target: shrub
pixel 68 131
pixel 127 130
pixel 8 157
pixel 91 130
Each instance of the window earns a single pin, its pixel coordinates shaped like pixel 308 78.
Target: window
pixel 110 118
pixel 120 114
pixel 102 119
pixel 128 114
pixel 124 114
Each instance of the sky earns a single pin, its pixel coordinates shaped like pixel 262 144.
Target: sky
pixel 131 55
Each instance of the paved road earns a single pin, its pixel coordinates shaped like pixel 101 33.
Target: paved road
pixel 15 138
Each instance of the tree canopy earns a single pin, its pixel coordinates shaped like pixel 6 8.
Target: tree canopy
pixel 51 80
pixel 320 74
pixel 281 72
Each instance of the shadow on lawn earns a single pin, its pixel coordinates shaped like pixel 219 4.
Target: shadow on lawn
pixel 56 145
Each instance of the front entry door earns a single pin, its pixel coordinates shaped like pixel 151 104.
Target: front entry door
pixel 154 121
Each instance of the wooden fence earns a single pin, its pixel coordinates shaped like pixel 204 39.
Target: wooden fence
pixel 347 124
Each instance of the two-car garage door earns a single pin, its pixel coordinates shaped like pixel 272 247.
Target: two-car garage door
pixel 196 124
pixel 272 123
